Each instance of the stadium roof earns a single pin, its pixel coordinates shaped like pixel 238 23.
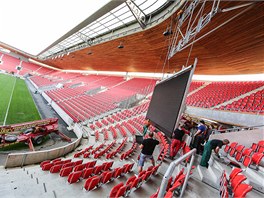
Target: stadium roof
pixel 37 29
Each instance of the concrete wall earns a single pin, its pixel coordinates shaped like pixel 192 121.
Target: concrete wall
pixel 236 118
pixel 22 159
pixel 245 138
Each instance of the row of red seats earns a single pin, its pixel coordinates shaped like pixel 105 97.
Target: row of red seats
pixel 121 129
pixel 113 131
pixel 107 176
pixel 118 150
pixel 133 183
pixel 164 146
pixel 96 134
pixel 234 186
pixel 128 153
pixel 248 156
pixel 82 152
pixel 210 95
pixel 104 151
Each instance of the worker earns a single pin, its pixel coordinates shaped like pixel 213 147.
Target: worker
pixel 176 141
pixel 146 126
pixel 148 146
pixel 215 145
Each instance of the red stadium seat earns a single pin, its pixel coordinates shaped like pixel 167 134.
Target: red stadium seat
pixel 136 183
pixel 128 168
pixel 242 190
pixel 236 180
pixel 146 176
pixel 90 164
pixel 78 162
pixel 92 182
pixel 55 168
pixel 98 169
pixel 66 171
pixel 234 173
pixel 247 161
pixel 87 173
pixel 123 191
pixel 47 166
pixel 257 157
pixel 79 167
pixel 247 151
pixel 106 176
pixel 238 156
pixel 254 147
pixel 118 172
pixel 68 164
pixel 44 162
pixel 107 165
pixel 74 177
pixel 115 189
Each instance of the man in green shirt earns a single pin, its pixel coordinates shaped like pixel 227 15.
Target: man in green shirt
pixel 209 146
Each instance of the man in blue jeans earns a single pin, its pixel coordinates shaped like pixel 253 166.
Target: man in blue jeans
pixel 148 146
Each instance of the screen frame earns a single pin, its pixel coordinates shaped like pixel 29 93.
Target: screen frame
pixel 190 68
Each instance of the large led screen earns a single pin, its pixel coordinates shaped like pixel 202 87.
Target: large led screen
pixel 166 102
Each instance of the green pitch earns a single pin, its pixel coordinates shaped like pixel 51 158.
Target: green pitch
pixel 22 107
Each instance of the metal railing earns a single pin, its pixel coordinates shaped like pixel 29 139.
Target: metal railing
pixel 171 169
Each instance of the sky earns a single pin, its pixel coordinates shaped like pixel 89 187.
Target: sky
pixel 33 25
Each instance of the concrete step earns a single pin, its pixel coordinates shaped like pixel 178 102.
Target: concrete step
pixel 210 176
pixel 255 179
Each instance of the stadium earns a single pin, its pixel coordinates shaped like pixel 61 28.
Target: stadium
pixel 132 98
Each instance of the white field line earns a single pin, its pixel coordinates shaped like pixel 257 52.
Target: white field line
pixel 10 99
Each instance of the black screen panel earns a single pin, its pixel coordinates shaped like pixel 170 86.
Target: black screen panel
pixel 166 102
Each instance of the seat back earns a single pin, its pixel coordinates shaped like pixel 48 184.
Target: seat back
pixel 44 162
pixel 66 171
pixel 257 157
pixel 238 156
pixel 90 164
pixel 238 179
pixel 79 167
pixel 242 190
pixel 247 151
pixel 92 182
pixel 108 165
pixel 98 169
pixel 147 175
pixel 55 168
pixel 246 161
pixel 78 162
pixel 235 172
pixel 233 145
pixel 131 179
pixel 254 147
pixel 123 190
pixel 67 164
pixel 240 148
pixel 227 147
pixel 115 189
pixel 74 177
pixel 106 176
pixel 87 173
pixel 47 166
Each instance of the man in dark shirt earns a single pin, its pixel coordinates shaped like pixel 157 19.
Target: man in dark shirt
pixel 199 137
pixel 176 141
pixel 148 145
pixel 209 146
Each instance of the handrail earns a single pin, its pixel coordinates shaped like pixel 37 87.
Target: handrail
pixel 170 170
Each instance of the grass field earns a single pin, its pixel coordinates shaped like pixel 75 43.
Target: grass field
pixel 22 107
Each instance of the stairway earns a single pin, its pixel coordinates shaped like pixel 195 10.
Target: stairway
pixel 199 88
